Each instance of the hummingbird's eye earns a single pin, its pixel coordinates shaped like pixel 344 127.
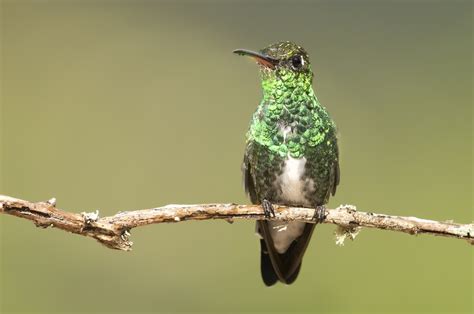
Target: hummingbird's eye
pixel 297 62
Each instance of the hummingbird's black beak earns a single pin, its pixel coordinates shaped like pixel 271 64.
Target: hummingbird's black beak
pixel 261 58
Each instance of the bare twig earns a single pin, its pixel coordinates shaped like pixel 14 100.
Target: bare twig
pixel 114 231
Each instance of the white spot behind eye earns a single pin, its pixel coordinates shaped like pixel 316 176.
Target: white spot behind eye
pixel 302 61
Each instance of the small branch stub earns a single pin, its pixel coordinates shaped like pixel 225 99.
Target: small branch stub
pixel 114 231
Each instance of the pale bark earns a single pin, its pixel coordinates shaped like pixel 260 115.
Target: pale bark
pixel 114 231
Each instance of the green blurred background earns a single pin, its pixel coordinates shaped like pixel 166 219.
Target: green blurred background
pixel 118 105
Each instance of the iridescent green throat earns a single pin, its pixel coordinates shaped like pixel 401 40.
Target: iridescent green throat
pixel 290 119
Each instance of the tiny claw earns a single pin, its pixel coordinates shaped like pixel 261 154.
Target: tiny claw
pixel 319 214
pixel 268 209
pixel 125 235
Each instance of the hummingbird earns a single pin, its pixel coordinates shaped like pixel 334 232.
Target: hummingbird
pixel 291 157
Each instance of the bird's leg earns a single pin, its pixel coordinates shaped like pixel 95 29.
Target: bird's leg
pixel 268 209
pixel 319 214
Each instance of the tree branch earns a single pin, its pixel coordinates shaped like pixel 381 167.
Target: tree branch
pixel 114 231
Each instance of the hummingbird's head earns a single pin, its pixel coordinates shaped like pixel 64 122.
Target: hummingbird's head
pixel 283 65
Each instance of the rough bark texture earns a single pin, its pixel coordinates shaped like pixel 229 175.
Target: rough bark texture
pixel 114 231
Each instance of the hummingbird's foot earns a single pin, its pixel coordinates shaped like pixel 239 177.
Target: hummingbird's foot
pixel 319 214
pixel 268 209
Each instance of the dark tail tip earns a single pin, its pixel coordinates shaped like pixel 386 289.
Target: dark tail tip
pixel 266 268
pixel 269 275
pixel 290 279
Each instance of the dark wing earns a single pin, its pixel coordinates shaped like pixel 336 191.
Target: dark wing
pixel 336 173
pixel 266 268
pixel 249 181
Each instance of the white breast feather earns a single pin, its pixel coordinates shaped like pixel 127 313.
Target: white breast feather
pixel 292 193
pixel 291 183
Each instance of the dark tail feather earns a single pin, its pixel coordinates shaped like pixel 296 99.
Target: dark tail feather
pixel 269 275
pixel 282 267
pixel 266 268
pixel 290 279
